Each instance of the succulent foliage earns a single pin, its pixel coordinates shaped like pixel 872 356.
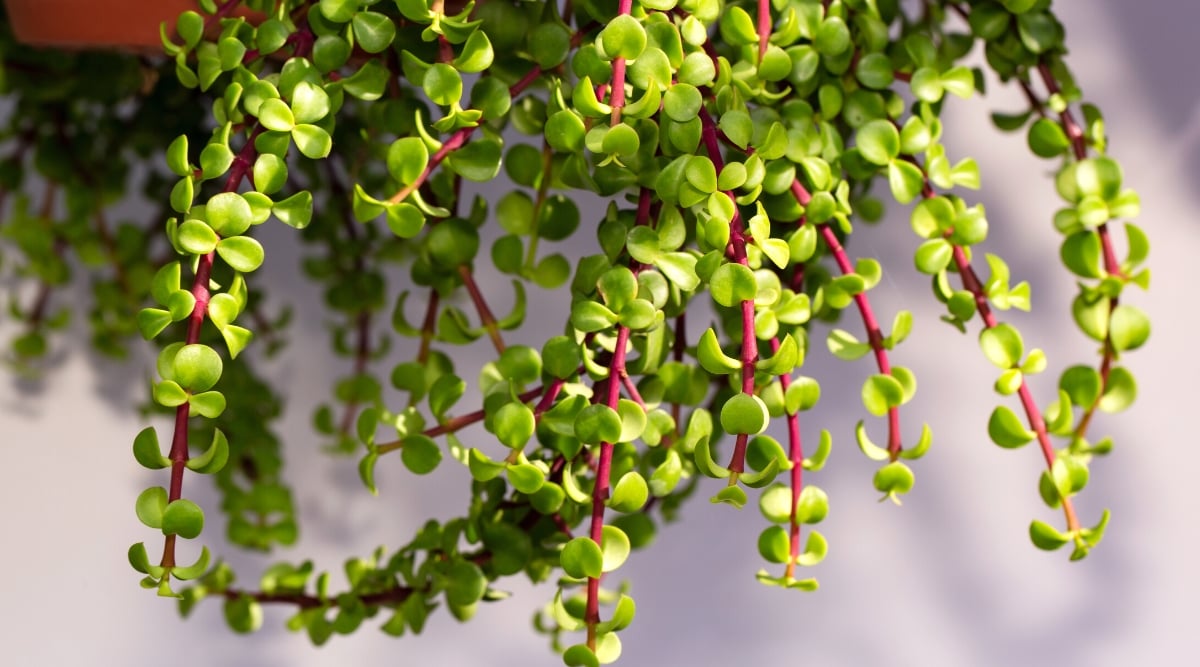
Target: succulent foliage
pixel 738 148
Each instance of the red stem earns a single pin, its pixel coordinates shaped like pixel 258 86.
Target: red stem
pixel 764 26
pixel 874 335
pixel 1033 414
pixel 737 242
pixel 462 421
pixel 179 442
pixel 1111 264
pixel 485 314
pixel 601 491
pixel 796 456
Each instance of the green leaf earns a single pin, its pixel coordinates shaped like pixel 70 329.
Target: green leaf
pixel 630 493
pixel 526 478
pixel 817 460
pixel 580 655
pixel 598 423
pixel 243 614
pixel 784 361
pixel 878 141
pixel 147 450
pixel 482 468
pixel 242 253
pixel 775 503
pixel 894 479
pixel 214 458
pixel 152 321
pixel 1047 139
pixel 236 339
pixel 679 268
pixel 228 214
pixel 215 159
pixel 177 157
pixel 933 256
pixel 140 560
pixel 1002 345
pixel 1119 392
pixel 918 450
pixel 875 71
pixel 183 518
pixel 814 550
pixel 832 37
pixel 314 142
pixel 905 180
pixel 732 284
pixel 405 220
pixel 582 558
pixel 150 506
pixel 702 457
pixel 1006 429
pixel 623 37
pixel 478 161
pixel 565 131
pixel 812 506
pixel 744 414
pixel 514 424
pixel 1045 537
pixel 731 495
pixel 667 475
pixel 420 454
pixel 774 545
pixel 169 394
pixel 843 345
pixel 295 211
pixel 633 419
pixel 208 404
pixel 197 367
pixel 276 115
pixel 682 103
pixel 270 173
pixel 1129 327
pixel 549 44
pixel 1081 253
pixel 589 316
pixel 881 393
pixel 407 159
pixel 310 102
pixel 374 31
pixel 196 237
pixel 868 448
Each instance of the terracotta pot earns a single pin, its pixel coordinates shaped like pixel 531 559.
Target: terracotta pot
pixel 126 24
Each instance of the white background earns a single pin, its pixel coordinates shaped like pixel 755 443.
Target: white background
pixel 948 579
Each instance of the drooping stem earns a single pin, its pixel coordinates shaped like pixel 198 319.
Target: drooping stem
pixel 796 456
pixel 1079 148
pixel 874 335
pixel 485 313
pixel 600 491
pixel 200 284
pixel 1111 264
pixel 617 98
pixel 1033 414
pixel 737 247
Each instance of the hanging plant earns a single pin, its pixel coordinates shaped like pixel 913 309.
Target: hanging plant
pixel 740 147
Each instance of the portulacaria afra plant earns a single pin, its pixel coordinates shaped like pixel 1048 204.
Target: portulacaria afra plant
pixel 739 147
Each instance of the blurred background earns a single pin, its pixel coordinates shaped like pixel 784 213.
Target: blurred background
pixel 950 578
